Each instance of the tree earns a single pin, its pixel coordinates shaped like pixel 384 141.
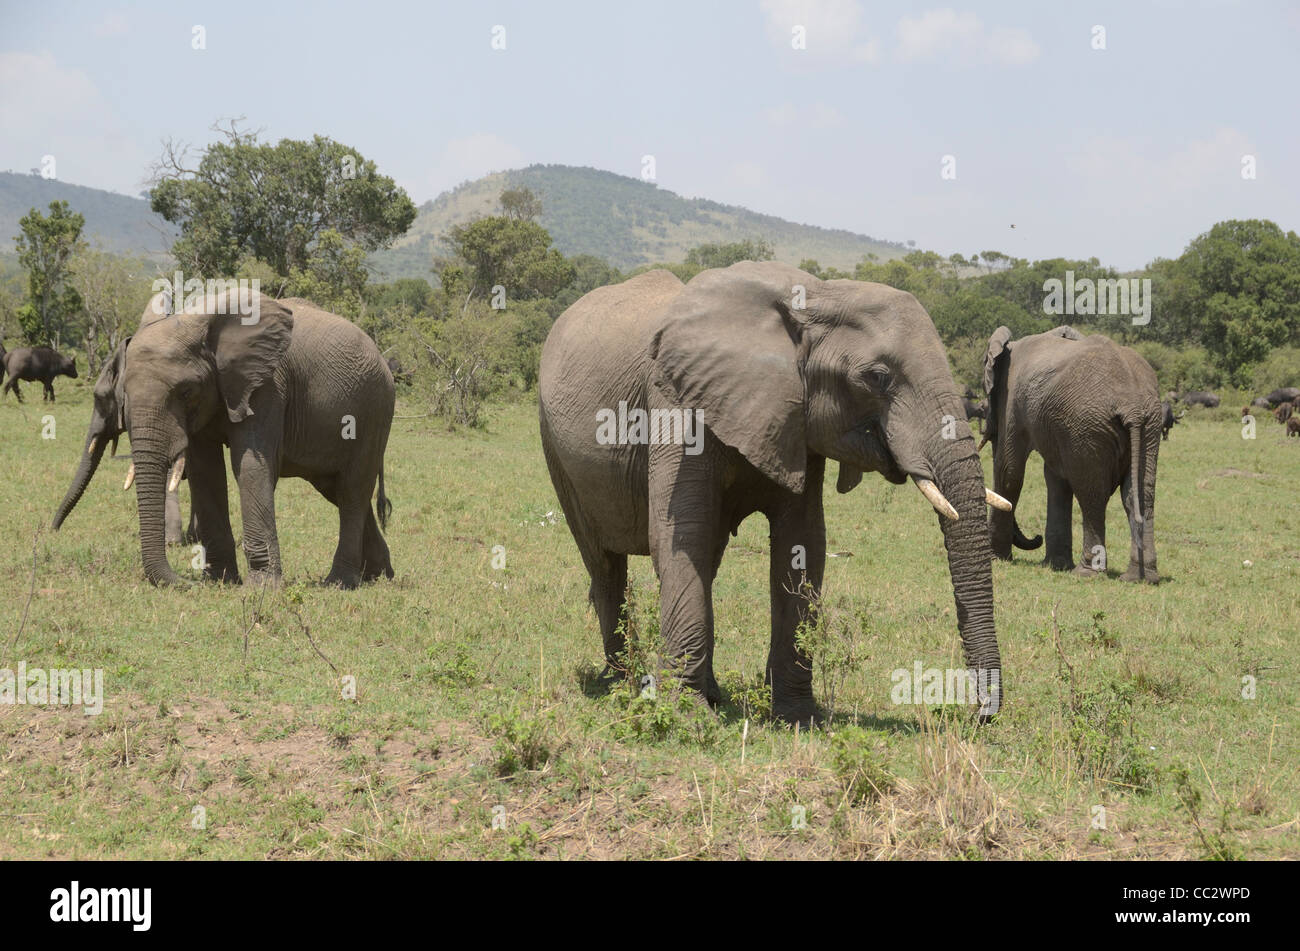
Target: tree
pixel 45 248
pixel 520 204
pixel 513 253
pixel 273 202
pixel 1246 286
pixel 721 254
pixel 114 292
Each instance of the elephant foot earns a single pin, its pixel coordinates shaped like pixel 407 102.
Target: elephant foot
pixel 1083 571
pixel 1059 564
pixel 801 713
pixel 224 574
pixel 374 574
pixel 263 577
pixel 343 579
pixel 1135 574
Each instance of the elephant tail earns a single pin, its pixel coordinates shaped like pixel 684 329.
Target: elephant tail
pixel 1135 483
pixel 385 507
pixel 1020 541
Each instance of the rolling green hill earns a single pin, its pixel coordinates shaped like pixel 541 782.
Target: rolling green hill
pixel 624 220
pixel 118 223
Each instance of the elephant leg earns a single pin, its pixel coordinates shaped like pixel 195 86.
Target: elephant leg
pixel 256 474
pixel 1092 506
pixel 172 517
pixel 685 502
pixel 375 558
pixel 1008 479
pixel 210 509
pixel 608 592
pixel 49 392
pixel 797 564
pixel 1141 559
pixel 1060 522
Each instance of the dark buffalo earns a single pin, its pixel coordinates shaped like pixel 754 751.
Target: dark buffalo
pixel 32 364
pixel 1170 420
pixel 1200 398
pixel 1285 394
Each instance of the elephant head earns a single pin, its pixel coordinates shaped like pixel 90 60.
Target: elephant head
pixel 781 365
pixel 107 423
pixel 187 371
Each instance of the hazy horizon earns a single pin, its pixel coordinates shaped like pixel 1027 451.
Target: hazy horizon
pixel 1125 154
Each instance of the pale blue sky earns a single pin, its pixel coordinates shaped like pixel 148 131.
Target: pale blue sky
pixel 1125 153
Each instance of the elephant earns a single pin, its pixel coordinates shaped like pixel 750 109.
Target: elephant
pixel 1283 412
pixel 400 374
pixel 32 364
pixel 1293 427
pixel 1200 398
pixel 1261 402
pixel 1283 394
pixel 755 376
pixel 292 391
pixel 108 421
pixel 1091 409
pixel 1169 420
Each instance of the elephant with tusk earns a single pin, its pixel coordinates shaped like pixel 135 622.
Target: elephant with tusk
pixel 756 375
pixel 108 421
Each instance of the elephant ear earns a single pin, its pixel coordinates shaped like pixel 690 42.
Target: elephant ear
pixel 998 344
pixel 730 348
pixel 247 354
pixel 119 384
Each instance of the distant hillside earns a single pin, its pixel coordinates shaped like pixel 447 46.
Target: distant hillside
pixel 118 223
pixel 624 220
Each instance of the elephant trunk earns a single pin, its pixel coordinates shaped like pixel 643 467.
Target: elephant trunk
pixel 958 475
pixel 151 470
pixel 90 458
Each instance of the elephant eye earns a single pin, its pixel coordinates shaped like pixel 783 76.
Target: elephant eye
pixel 874 378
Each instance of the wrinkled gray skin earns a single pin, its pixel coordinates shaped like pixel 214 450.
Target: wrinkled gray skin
pixel 1091 409
pixel 108 421
pixel 276 392
pixel 857 375
pixel 35 364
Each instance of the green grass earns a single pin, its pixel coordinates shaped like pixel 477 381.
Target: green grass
pixel 473 685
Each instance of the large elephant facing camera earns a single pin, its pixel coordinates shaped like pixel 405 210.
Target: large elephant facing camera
pixel 778 371
pixel 1091 409
pixel 293 391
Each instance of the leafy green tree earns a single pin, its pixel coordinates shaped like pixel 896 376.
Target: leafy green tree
pixel 46 246
pixel 274 202
pixel 114 291
pixel 1246 277
pixel 513 253
pixel 520 204
pixel 334 277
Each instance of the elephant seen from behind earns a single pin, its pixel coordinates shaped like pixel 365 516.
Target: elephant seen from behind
pixel 1091 409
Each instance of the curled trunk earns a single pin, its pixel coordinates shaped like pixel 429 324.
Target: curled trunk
pixel 85 472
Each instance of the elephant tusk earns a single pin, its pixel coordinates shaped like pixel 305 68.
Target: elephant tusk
pixel 983 442
pixel 177 471
pixel 935 498
pixel 114 452
pixel 130 477
pixel 997 501
pixel 94 441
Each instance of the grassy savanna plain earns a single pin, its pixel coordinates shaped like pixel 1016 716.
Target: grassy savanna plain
pixel 1125 733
